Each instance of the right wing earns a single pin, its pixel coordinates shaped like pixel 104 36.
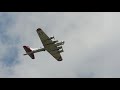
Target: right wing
pixel 47 43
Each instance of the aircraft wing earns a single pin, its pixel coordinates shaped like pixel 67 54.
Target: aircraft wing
pixel 51 48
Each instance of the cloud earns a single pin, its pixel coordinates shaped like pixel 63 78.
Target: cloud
pixel 91 44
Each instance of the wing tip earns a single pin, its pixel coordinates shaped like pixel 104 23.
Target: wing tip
pixel 24 46
pixel 33 57
pixel 39 29
pixel 60 58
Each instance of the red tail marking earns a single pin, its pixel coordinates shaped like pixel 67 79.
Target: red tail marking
pixel 27 49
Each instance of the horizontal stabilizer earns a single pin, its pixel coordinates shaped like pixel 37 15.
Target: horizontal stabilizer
pixel 28 50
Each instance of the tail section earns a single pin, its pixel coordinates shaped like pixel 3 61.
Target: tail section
pixel 29 52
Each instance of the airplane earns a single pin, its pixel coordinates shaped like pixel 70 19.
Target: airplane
pixel 52 47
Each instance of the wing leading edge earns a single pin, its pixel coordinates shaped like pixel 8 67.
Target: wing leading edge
pixel 49 45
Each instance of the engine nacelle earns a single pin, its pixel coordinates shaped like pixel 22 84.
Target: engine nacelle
pixel 61 51
pixel 60 43
pixel 52 37
pixel 59 47
pixel 55 41
pixel 52 42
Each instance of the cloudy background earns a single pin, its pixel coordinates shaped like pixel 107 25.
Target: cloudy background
pixel 91 50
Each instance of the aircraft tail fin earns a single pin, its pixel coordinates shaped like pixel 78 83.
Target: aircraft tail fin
pixel 29 51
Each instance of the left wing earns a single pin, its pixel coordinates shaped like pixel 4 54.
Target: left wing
pixel 49 45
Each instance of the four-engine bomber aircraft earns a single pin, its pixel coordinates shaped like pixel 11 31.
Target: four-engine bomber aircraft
pixel 53 47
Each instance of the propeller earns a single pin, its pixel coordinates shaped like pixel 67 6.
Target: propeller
pixel 54 37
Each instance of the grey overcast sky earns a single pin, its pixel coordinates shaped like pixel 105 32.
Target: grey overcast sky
pixel 92 44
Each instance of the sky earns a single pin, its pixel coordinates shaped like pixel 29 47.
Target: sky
pixel 91 49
